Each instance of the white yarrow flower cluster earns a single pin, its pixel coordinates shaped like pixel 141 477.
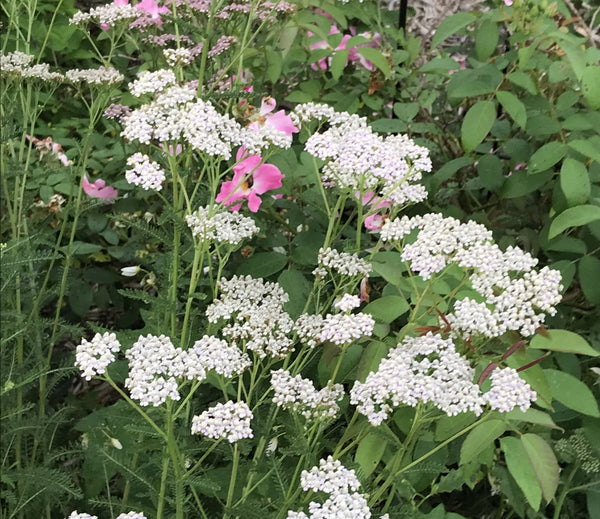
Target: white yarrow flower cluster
pixel 342 262
pixel 308 327
pixel 108 14
pixel 299 394
pixel 17 64
pixel 144 172
pixel 225 226
pixel 230 421
pixel 342 329
pixel 306 112
pixel 92 357
pixel 347 302
pixel 357 159
pixel 154 367
pixel 77 515
pixel 102 76
pixel 152 82
pixel 217 355
pixel 509 391
pixel 421 369
pixel 344 502
pixel 516 296
pixel 131 515
pixel 255 310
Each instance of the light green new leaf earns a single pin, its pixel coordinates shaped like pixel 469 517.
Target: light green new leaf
pixel 564 341
pixel 573 217
pixel 546 156
pixel 477 123
pixel 521 470
pixel 575 182
pixel 543 462
pixel 480 438
pixel 513 106
pixel 572 392
pixel 450 26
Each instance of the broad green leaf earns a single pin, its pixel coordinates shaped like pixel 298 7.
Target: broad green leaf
pixel 543 462
pixel 564 341
pixel 370 360
pixel 474 82
pixel 590 86
pixel 406 111
pixel 520 183
pixel 589 278
pixel 388 125
pixel 298 289
pixel 521 470
pixel 490 170
pixel 388 308
pixel 275 64
pixel 575 54
pixel 338 63
pixel 588 147
pixel 46 193
pixel 523 80
pixel 572 392
pixel 477 123
pixel 80 247
pixel 486 39
pixel 546 156
pixel 390 266
pixel 369 452
pixel 262 264
pixel 532 416
pixel 574 217
pixel 447 170
pixel 377 58
pixel 480 438
pixel 575 182
pixel 513 106
pixel 450 26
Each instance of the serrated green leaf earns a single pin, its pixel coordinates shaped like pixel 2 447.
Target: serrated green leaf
pixel 564 341
pixel 477 123
pixel 480 438
pixel 573 217
pixel 572 392
pixel 513 106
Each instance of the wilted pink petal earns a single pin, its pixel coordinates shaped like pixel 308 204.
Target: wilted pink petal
pixel 374 222
pixel 172 152
pixel 98 189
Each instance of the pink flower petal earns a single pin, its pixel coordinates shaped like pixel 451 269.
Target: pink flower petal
pixel 266 177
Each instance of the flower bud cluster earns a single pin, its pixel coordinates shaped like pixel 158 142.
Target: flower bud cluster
pixel 420 369
pixel 223 43
pixel 225 359
pixel 577 448
pixel 515 296
pixel 102 76
pixel 225 226
pixel 342 262
pixel 341 484
pixel 19 65
pixel 108 14
pixel 93 357
pixel 154 366
pixel 230 420
pixel 509 391
pixel 255 310
pixel 299 394
pixel 144 172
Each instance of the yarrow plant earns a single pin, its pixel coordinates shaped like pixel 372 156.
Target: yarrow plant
pixel 271 315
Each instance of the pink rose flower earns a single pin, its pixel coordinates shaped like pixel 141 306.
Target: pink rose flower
pixel 98 189
pixel 151 7
pixel 279 120
pixel 373 222
pixel 263 177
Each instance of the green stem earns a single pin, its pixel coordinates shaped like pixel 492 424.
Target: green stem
pixel 234 470
pixel 563 495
